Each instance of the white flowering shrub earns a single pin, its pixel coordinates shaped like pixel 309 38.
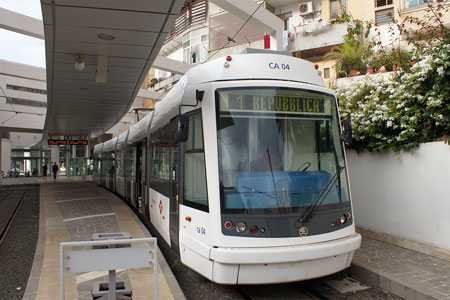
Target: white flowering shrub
pixel 407 109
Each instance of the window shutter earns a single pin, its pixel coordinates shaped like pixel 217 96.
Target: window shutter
pixel 384 16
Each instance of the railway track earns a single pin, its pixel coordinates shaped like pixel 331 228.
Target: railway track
pixel 4 194
pixel 313 293
pixel 9 205
pixel 289 291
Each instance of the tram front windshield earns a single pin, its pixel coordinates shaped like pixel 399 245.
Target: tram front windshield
pixel 279 150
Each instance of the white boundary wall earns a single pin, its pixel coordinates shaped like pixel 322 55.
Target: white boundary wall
pixel 407 196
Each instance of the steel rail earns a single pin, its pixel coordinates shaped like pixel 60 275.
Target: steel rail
pixel 7 225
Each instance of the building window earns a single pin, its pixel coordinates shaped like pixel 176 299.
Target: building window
pixel 195 46
pixel 338 8
pixel 25 102
pixel 413 3
pixel 268 7
pixel 25 89
pixel 28 163
pixel 380 3
pixel 285 18
pixel 326 73
pixel 384 16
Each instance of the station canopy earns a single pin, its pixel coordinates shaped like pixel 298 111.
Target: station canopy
pixel 98 53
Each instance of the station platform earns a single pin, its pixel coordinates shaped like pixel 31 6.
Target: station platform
pixel 72 210
pixel 408 274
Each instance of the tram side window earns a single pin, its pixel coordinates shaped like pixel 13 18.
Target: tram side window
pixel 161 161
pixel 119 167
pixel 161 145
pixel 129 161
pixel 194 193
pixel 96 164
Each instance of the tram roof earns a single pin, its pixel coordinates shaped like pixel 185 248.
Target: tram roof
pixel 122 139
pixel 98 148
pixel 139 130
pixel 109 145
pixel 254 66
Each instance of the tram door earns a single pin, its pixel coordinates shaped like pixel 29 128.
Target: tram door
pixel 163 183
pixel 138 178
pixel 174 213
pixel 140 169
pixel 112 172
pixel 130 163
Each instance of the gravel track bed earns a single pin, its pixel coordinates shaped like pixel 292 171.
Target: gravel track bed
pixel 18 247
pixel 7 206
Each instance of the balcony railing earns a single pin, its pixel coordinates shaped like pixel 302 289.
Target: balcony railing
pixel 194 13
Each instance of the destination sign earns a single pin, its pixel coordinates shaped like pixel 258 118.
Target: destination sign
pixel 57 142
pixel 282 104
pixel 78 142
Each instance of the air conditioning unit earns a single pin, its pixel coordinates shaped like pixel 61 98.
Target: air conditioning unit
pixel 305 8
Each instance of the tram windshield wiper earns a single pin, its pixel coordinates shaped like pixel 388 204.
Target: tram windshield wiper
pixel 326 188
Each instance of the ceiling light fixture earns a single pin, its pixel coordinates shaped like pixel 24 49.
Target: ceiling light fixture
pixel 101 76
pixel 79 62
pixel 106 37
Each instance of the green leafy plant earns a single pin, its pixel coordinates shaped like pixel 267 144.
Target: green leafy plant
pixel 354 51
pixel 412 106
pixel 349 55
pixel 391 58
pixel 153 81
pixel 343 18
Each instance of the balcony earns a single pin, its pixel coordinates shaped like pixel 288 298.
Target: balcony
pixel 316 35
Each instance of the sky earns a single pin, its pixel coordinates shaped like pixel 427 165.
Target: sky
pixel 18 47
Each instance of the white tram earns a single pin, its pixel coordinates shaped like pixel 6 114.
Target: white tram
pixel 245 174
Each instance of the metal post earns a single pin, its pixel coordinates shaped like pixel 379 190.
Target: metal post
pixel 61 270
pixel 112 285
pixel 155 271
pixel 1 154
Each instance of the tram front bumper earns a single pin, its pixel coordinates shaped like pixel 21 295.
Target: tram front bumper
pixel 282 264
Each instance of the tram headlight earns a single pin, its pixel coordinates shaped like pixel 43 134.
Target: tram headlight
pixel 343 219
pixel 228 225
pixel 241 227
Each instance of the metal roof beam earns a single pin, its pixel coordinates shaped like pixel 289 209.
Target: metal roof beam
pixel 13 69
pixel 150 94
pixel 22 24
pixel 19 129
pixel 262 18
pixel 170 65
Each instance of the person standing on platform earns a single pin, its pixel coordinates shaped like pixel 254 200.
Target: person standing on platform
pixel 44 171
pixel 54 170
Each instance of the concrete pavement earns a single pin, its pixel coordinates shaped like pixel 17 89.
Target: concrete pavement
pixel 405 273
